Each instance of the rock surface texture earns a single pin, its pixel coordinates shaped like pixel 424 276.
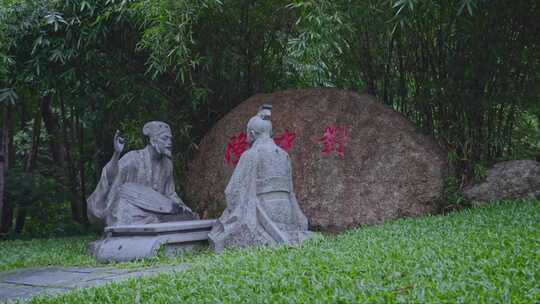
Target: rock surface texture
pixel 388 170
pixel 507 180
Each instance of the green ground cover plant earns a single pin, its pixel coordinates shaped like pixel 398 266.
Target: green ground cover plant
pixel 67 251
pixel 489 254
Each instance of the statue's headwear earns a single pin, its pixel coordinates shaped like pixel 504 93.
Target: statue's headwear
pixel 265 111
pixel 155 128
pixel 260 123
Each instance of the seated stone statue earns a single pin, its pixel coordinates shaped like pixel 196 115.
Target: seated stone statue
pixel 139 187
pixel 261 204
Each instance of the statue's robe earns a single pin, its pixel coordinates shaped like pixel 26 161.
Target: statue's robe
pixel 139 194
pixel 261 205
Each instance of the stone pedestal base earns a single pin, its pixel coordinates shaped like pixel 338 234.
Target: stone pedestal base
pixel 126 243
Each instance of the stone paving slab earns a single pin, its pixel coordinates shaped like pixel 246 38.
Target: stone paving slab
pixel 27 283
pixel 53 277
pixel 14 292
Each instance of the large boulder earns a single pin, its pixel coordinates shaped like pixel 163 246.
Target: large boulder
pixel 507 180
pixel 388 170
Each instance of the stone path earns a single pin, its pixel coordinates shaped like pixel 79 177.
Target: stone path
pixel 27 283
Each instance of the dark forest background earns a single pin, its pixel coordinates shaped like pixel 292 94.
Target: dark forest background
pixel 73 71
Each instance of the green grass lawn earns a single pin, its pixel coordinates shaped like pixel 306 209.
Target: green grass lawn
pixel 485 255
pixel 68 251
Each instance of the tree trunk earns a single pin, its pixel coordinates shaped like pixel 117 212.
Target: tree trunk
pixel 29 167
pixel 20 219
pixel 51 125
pixel 2 177
pixel 82 173
pixel 58 152
pixel 6 216
pixel 76 206
pixel 2 171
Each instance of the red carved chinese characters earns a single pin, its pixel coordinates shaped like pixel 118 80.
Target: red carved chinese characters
pixel 238 144
pixel 286 140
pixel 334 139
pixel 236 147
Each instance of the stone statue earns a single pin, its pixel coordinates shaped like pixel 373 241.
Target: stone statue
pixel 261 204
pixel 139 187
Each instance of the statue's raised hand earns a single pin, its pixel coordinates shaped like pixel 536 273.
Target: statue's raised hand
pixel 119 142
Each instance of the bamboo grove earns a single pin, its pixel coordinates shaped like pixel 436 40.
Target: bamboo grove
pixel 73 71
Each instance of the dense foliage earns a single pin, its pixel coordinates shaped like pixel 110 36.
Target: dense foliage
pixel 483 255
pixel 73 71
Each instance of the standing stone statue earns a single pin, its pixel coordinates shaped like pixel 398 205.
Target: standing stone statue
pixel 139 187
pixel 261 204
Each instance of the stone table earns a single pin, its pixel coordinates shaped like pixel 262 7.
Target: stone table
pixel 131 242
